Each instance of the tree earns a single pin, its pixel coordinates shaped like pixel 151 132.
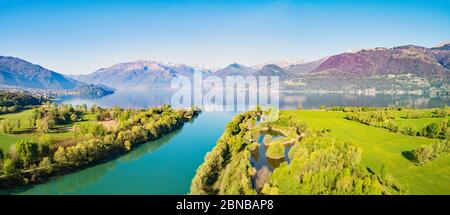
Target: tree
pixel 432 130
pixel 60 156
pixel 7 126
pixel 73 117
pixel 423 154
pixel 9 166
pixel 27 151
pixel 45 125
pixel 46 163
pixel 127 145
pixel 17 123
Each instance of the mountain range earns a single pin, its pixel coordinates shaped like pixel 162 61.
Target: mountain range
pixel 140 73
pixel 15 72
pixel 400 68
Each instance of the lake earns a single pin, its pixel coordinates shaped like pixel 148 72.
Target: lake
pixel 167 165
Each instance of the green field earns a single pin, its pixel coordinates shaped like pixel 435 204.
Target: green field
pixel 381 146
pixel 416 123
pixel 27 132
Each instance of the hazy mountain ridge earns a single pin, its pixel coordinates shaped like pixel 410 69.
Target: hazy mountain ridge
pixel 140 73
pixel 23 74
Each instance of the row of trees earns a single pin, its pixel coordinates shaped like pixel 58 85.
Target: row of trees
pixel 361 109
pixel 381 119
pixel 227 168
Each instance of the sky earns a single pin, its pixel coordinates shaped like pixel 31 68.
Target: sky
pixel 79 37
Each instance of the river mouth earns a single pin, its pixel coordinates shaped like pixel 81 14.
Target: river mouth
pixel 265 165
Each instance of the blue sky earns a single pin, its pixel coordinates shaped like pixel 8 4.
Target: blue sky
pixel 74 37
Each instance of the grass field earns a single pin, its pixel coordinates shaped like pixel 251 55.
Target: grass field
pixel 27 132
pixel 416 123
pixel 381 146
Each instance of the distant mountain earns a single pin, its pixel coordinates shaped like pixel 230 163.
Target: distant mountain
pixel 415 60
pixel 303 68
pixel 140 74
pixel 400 68
pixel 281 63
pixel 23 74
pixel 235 69
pixel 272 70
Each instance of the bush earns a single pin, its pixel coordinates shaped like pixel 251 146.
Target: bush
pixel 275 150
pixel 9 166
pixel 427 153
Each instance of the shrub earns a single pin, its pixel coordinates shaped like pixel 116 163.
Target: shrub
pixel 275 150
pixel 427 153
pixel 9 166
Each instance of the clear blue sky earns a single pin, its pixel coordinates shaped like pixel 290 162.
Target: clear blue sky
pixel 74 37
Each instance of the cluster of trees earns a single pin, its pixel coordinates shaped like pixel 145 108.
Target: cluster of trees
pixel 8 125
pixel 429 152
pixel 381 119
pixel 227 168
pixel 275 150
pixel 5 109
pixel 25 154
pixel 437 113
pixel 43 118
pixel 321 164
pixel 134 127
pixel 370 117
pixel 13 101
pixel 361 109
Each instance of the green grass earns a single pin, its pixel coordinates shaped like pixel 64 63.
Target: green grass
pixel 416 123
pixel 381 146
pixel 28 132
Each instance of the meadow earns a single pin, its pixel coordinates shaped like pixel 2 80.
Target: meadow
pixel 382 147
pixel 28 132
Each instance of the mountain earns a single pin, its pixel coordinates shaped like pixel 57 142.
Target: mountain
pixel 272 70
pixel 415 60
pixel 23 74
pixel 303 68
pixel 235 69
pixel 281 63
pixel 409 68
pixel 140 74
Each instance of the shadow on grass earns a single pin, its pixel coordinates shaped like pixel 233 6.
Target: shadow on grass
pixel 25 131
pixel 409 156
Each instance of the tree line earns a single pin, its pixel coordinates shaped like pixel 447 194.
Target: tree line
pixel 134 126
pixel 11 102
pixel 382 119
